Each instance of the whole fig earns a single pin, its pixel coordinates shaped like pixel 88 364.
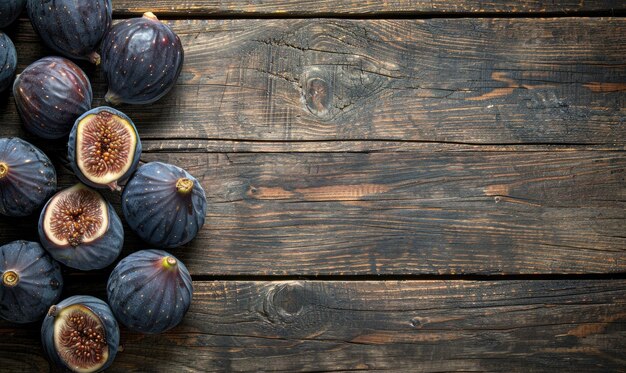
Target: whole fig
pixel 50 94
pixel 142 59
pixel 73 28
pixel 30 282
pixel 10 10
pixel 8 61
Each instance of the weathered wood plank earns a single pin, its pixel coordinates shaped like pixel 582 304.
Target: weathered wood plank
pixel 469 81
pixel 426 326
pixel 355 8
pixel 401 213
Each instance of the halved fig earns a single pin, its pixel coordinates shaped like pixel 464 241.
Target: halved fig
pixel 81 334
pixel 27 177
pixel 164 205
pixel 150 291
pixel 80 229
pixel 30 282
pixel 104 147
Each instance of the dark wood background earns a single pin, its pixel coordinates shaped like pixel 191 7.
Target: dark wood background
pixel 400 185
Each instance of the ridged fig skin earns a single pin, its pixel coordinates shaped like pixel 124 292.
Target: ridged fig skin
pixel 30 178
pixel 98 307
pixel 146 295
pixel 50 94
pixel 155 210
pixel 71 149
pixel 141 59
pixel 8 61
pixel 73 28
pixel 10 10
pixel 39 285
pixel 96 254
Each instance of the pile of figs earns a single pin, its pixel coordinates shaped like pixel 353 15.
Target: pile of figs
pixel 150 290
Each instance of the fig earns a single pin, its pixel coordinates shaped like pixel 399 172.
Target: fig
pixel 164 205
pixel 150 291
pixel 30 282
pixel 27 177
pixel 10 10
pixel 73 28
pixel 50 94
pixel 8 61
pixel 80 334
pixel 141 59
pixel 80 229
pixel 104 148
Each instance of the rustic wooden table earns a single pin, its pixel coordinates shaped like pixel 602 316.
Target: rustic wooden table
pixel 395 185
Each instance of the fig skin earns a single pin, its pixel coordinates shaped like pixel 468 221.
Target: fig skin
pixel 98 307
pixel 141 59
pixel 38 285
pixel 73 28
pixel 50 94
pixel 71 150
pixel 10 10
pixel 86 256
pixel 156 211
pixel 150 291
pixel 29 177
pixel 8 61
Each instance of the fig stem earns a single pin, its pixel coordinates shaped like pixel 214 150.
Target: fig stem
pixel 10 278
pixel 94 58
pixel 114 187
pixel 169 262
pixel 4 169
pixel 151 16
pixel 112 98
pixel 184 186
pixel 53 311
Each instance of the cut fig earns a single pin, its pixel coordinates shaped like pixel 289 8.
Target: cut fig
pixel 80 229
pixel 30 282
pixel 150 291
pixel 104 147
pixel 81 334
pixel 164 205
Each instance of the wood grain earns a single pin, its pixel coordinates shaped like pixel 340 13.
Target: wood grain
pixel 310 8
pixel 459 81
pixel 400 213
pixel 426 326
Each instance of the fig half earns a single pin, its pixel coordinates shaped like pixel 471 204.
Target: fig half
pixel 164 205
pixel 104 147
pixel 27 177
pixel 50 94
pixel 30 282
pixel 73 28
pixel 150 291
pixel 80 229
pixel 81 334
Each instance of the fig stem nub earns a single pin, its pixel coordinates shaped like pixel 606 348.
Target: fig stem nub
pixel 53 311
pixel 10 279
pixel 4 170
pixel 151 16
pixel 94 58
pixel 184 186
pixel 169 262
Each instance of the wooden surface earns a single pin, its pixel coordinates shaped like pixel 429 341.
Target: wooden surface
pixel 399 185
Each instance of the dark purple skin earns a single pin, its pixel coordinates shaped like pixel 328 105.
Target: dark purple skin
pixel 141 59
pixel 71 149
pixel 50 94
pixel 10 10
pixel 8 61
pixel 95 305
pixel 73 28
pixel 155 209
pixel 150 291
pixel 86 256
pixel 27 177
pixel 30 282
